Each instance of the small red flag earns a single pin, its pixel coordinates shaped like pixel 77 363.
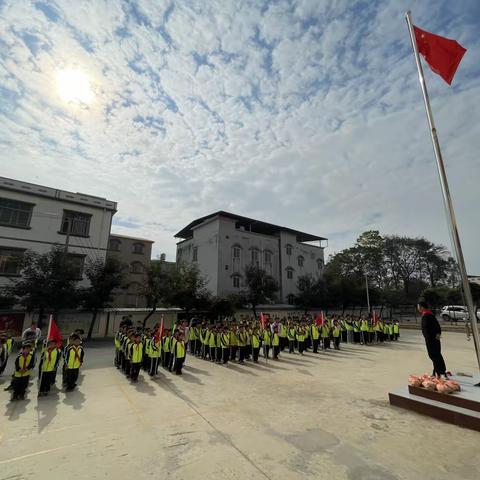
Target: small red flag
pixel 54 332
pixel 320 319
pixel 160 330
pixel 442 54
pixel 263 320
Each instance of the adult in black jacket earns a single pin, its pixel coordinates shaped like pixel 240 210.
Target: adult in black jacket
pixel 431 332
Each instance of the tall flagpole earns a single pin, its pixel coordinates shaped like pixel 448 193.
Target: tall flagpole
pixel 447 200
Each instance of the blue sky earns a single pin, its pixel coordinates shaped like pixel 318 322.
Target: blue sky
pixel 301 113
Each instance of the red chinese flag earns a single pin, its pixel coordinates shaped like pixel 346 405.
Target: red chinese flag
pixel 263 320
pixel 442 54
pixel 160 330
pixel 55 333
pixel 319 320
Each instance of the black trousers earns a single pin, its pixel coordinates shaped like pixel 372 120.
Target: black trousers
pixel 291 346
pixel 128 365
pixel 356 337
pixel 178 364
pixel 225 354
pixel 213 351
pixel 135 370
pixel 326 342
pixel 301 346
pixel 255 352
pixel 166 359
pixel 434 350
pixel 117 358
pixel 154 366
pixel 283 343
pixel 19 385
pixel 344 336
pixel 48 379
pixel 219 354
pixel 316 341
pixel 71 377
pixel 336 343
pixel 267 350
pixel 241 354
pixel 276 351
pixel 233 352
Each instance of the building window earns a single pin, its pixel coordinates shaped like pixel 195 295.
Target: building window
pixel 136 267
pixel 114 245
pixel 14 213
pixel 291 299
pixel 289 249
pixel 10 261
pixel 75 223
pixel 300 261
pixel 139 248
pixel 76 263
pixel 236 281
pixel 237 251
pixel 195 254
pixel 254 256
pixel 289 273
pixel 320 264
pixel 268 256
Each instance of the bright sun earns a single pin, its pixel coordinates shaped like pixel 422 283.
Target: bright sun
pixel 74 86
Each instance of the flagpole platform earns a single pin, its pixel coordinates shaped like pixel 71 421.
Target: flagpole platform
pixel 459 408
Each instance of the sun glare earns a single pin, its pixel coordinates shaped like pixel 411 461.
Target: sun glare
pixel 74 86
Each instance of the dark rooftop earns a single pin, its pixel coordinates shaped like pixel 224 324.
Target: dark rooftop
pixel 250 224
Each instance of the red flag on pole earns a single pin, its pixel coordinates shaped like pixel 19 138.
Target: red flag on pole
pixel 320 320
pixel 160 330
pixel 54 332
pixel 263 320
pixel 443 55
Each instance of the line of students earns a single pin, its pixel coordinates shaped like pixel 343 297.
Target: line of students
pixel 230 341
pixel 50 355
pixel 148 349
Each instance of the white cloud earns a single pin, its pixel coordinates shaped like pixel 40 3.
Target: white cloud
pixel 303 113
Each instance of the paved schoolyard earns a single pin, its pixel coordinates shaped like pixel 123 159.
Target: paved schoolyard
pixel 317 416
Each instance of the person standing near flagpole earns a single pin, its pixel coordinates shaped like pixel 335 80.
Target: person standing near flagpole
pixel 48 367
pixel 443 55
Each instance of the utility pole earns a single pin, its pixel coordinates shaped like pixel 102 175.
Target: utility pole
pixel 368 295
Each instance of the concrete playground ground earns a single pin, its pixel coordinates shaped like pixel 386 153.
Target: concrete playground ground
pixel 322 416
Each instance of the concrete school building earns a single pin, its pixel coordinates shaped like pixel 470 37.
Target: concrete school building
pixel 222 244
pixel 35 217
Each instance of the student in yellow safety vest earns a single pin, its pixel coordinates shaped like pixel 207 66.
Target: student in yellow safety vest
pixel 73 360
pixel 266 340
pixel 24 364
pixel 136 357
pixel 300 336
pixel 336 332
pixel 146 341
pixel 166 348
pixel 155 351
pixel 212 343
pixel 225 344
pixel 241 338
pixel 325 333
pixel 48 367
pixel 275 343
pixel 218 343
pixel 363 331
pixel 282 333
pixel 291 335
pixel 255 343
pixel 396 330
pixel 315 335
pixel 233 341
pixel 179 354
pixel 192 339
pixel 356 331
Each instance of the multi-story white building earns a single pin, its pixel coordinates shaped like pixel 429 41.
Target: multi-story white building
pixel 34 217
pixel 223 244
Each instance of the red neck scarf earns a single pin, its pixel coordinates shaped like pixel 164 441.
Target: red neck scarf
pixel 427 312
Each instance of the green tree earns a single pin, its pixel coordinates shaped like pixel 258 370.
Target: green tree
pixel 157 287
pixel 48 283
pixel 105 277
pixel 224 306
pixel 188 289
pixel 260 287
pixel 311 292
